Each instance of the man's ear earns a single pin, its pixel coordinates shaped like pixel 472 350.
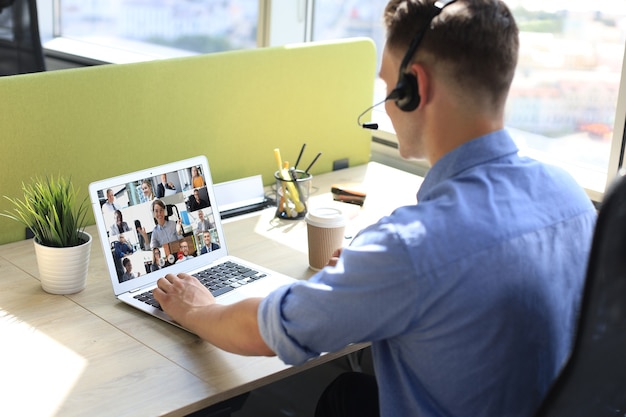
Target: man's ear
pixel 423 83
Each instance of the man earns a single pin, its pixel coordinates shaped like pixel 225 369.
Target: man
pixel 109 207
pixel 128 270
pixel 163 186
pixel 121 247
pixel 184 251
pixel 203 224
pixel 196 202
pixel 208 245
pixel 468 297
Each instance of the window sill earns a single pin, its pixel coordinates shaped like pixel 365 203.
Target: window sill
pixel 98 51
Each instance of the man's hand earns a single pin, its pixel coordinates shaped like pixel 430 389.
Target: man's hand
pixel 232 327
pixel 181 296
pixel 334 258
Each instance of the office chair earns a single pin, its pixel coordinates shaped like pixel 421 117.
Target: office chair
pixel 20 43
pixel 593 382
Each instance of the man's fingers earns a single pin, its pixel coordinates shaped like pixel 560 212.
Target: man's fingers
pixel 165 283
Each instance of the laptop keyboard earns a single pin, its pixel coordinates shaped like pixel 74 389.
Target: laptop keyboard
pixel 219 279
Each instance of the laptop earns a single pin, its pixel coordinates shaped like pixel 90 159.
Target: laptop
pixel 165 220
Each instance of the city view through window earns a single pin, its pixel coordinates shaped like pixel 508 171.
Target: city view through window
pixel 564 95
pixel 563 100
pixel 562 103
pixel 201 26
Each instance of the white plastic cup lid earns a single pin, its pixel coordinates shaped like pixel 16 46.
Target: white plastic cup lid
pixel 326 217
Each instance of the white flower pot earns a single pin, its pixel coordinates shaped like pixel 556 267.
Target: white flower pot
pixel 63 270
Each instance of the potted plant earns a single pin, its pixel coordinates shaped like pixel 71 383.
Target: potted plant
pixel 57 220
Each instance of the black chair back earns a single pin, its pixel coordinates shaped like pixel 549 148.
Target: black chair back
pixel 20 43
pixel 593 383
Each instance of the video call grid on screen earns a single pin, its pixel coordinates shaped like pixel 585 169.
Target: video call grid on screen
pixel 131 223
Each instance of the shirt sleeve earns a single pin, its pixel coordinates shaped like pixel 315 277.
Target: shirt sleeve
pixel 275 334
pixel 154 243
pixel 362 299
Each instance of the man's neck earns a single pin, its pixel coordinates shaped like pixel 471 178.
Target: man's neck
pixel 458 128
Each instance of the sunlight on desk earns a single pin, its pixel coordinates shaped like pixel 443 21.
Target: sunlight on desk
pixel 293 233
pixel 40 383
pixel 282 244
pixel 384 194
pixel 87 354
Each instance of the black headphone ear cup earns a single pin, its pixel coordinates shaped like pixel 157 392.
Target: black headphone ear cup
pixel 407 97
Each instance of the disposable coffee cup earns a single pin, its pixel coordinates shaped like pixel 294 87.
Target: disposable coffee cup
pixel 325 230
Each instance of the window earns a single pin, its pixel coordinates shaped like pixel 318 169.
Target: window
pixel 562 104
pixel 154 28
pixel 563 100
pixel 334 19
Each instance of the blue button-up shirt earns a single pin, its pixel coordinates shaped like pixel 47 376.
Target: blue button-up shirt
pixel 164 234
pixel 469 298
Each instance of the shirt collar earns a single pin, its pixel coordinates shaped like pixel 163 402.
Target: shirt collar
pixel 478 151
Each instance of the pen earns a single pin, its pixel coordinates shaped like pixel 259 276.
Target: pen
pixel 292 192
pixel 312 162
pixel 299 156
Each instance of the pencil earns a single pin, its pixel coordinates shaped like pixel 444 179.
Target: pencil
pixel 299 156
pixel 306 171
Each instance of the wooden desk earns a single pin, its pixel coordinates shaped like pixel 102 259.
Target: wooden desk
pixel 88 354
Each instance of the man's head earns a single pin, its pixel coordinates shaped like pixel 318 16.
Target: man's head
pixel 207 238
pixel 472 44
pixel 462 70
pixel 127 265
pixel 184 247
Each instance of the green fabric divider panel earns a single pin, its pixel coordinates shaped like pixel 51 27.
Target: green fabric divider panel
pixel 234 107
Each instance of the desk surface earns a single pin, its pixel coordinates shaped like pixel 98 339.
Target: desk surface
pixel 88 354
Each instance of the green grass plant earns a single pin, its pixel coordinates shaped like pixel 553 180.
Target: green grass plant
pixel 50 209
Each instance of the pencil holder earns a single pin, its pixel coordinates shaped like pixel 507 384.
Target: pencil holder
pixel 292 193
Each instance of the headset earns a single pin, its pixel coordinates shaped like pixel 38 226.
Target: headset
pixel 406 93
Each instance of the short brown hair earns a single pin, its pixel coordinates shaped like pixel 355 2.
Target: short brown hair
pixel 475 41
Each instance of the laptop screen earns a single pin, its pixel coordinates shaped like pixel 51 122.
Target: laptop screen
pixel 154 220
